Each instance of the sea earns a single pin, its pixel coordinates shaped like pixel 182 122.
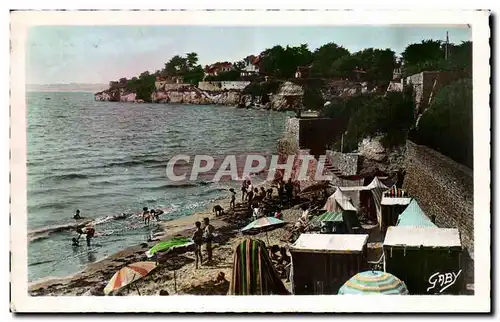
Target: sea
pixel 109 158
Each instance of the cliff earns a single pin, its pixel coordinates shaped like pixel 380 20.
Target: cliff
pixel 287 96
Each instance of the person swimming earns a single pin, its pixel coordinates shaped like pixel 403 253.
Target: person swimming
pixel 77 215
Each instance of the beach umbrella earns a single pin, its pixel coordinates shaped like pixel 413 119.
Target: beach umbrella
pixel 263 224
pixel 169 245
pixel 374 282
pixel 129 274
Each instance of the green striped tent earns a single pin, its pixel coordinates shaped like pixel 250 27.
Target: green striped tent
pixel 254 272
pixel 374 282
pixel 330 216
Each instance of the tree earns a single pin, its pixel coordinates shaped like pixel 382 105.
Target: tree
pixel 192 60
pixel 177 65
pixel 427 50
pixel 324 58
pixel 144 75
pixel 123 80
pixel 283 62
pixel 239 65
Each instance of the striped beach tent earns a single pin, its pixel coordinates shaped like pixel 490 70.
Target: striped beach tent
pixel 254 272
pixel 414 216
pixel 374 282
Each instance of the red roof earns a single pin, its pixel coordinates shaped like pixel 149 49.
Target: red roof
pixel 217 66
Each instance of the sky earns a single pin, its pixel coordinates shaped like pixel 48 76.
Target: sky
pixel 98 54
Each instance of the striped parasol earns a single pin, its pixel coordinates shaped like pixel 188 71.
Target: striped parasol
pixel 262 224
pixel 129 274
pixel 374 282
pixel 254 272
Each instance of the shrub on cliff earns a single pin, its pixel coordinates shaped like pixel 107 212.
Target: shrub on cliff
pixel 446 125
pixel 390 116
pixel 143 87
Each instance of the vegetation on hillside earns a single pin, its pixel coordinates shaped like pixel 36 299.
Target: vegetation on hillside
pixel 389 116
pixel 447 125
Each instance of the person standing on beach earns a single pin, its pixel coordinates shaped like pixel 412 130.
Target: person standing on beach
pixel 90 231
pixel 198 240
pixel 281 190
pixel 209 236
pixel 250 198
pixel 243 190
pixel 146 215
pixel 232 204
pixel 289 191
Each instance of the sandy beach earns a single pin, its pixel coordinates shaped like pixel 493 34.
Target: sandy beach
pixel 94 278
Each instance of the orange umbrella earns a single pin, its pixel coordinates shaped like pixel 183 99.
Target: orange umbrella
pixel 129 274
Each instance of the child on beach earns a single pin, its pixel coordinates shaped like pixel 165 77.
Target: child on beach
pixel 233 198
pixel 263 193
pixel 198 240
pixel 146 215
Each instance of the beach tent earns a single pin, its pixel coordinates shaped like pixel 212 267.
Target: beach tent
pixel 338 201
pixel 254 272
pixel 377 188
pixel 420 255
pixel 321 263
pixel 414 216
pixel 374 282
pixel 394 202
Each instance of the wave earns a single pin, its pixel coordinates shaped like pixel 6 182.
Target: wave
pixel 69 176
pixel 42 262
pixel 45 232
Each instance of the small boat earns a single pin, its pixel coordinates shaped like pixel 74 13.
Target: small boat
pixel 47 98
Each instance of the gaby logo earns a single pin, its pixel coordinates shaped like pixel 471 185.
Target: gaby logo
pixel 442 281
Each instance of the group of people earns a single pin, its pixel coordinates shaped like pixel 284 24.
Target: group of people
pixel 148 213
pixel 202 235
pixel 88 231
pixel 253 195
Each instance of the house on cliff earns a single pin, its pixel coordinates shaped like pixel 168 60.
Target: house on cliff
pixel 217 68
pixel 251 66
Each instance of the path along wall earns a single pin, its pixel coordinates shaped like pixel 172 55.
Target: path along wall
pixel 445 189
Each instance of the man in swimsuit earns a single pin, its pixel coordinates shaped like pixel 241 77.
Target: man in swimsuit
pixel 90 231
pixel 250 198
pixel 77 215
pixel 198 241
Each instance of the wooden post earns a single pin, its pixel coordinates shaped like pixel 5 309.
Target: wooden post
pixel 175 283
pixel 267 236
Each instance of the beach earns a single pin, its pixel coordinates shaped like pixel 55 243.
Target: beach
pixel 189 280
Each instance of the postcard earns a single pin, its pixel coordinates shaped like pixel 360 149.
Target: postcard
pixel 303 158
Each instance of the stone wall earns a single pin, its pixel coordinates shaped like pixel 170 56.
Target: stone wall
pixel 314 133
pixel 445 189
pixel 426 85
pixel 215 86
pixel 168 86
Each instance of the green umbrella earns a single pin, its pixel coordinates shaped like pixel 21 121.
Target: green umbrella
pixel 169 244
